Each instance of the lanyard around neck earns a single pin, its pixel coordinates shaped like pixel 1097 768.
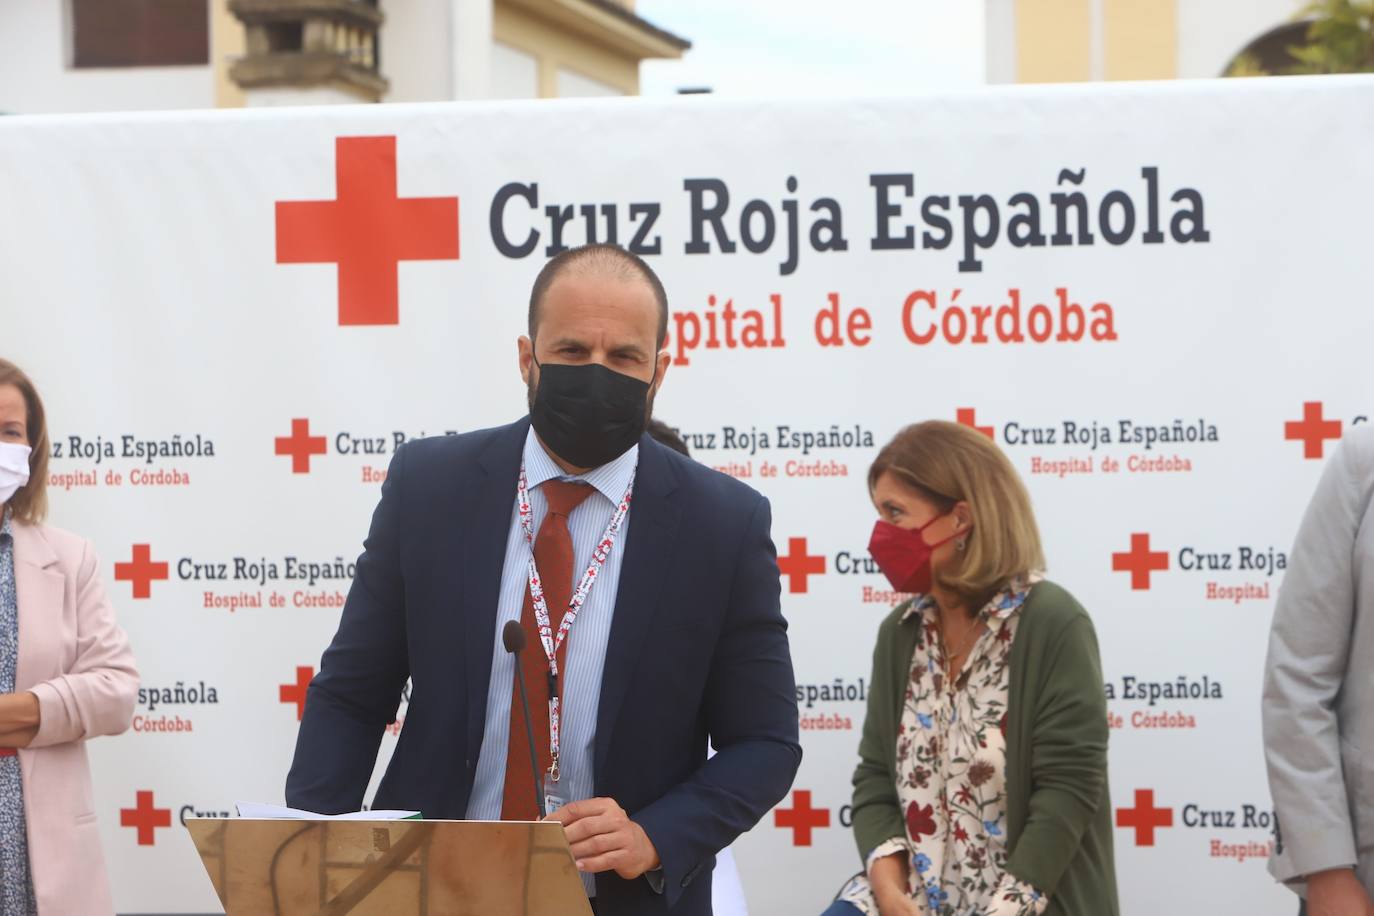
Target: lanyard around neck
pixel 548 639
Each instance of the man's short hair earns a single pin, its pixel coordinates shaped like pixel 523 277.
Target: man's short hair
pixel 609 259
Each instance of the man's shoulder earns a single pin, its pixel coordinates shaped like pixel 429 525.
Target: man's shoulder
pixel 1347 484
pixel 452 453
pixel 1358 445
pixel 709 488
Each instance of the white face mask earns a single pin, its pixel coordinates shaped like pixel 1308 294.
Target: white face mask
pixel 14 469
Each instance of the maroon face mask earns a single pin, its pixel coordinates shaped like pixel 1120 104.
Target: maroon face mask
pixel 904 556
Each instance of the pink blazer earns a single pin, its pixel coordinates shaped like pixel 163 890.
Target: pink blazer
pixel 76 660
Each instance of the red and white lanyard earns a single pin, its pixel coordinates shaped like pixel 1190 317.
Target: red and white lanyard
pixel 551 642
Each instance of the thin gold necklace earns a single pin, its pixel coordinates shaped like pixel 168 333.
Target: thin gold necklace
pixel 968 643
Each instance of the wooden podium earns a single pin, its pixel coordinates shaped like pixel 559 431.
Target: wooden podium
pixel 389 868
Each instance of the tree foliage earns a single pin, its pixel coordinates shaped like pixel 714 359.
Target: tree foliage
pixel 1339 39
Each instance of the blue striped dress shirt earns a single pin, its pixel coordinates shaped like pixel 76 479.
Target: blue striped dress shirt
pixel 587 640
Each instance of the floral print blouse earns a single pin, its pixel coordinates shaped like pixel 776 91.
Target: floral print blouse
pixel 951 773
pixel 16 884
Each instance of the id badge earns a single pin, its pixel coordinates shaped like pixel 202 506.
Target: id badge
pixel 553 794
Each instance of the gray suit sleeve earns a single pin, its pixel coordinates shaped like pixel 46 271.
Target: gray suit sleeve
pixel 1309 645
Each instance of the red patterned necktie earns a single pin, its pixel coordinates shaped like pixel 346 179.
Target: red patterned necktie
pixel 553 555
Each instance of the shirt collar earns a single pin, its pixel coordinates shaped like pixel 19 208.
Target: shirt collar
pixel 6 529
pixel 610 480
pixel 1002 605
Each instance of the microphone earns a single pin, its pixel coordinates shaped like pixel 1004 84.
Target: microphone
pixel 513 637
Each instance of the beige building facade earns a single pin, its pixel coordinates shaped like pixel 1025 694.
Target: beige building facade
pixel 1053 41
pixel 288 52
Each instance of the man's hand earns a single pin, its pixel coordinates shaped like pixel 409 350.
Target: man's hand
pixel 1337 893
pixel 603 838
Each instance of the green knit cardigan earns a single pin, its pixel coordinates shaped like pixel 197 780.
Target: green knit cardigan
pixel 1059 812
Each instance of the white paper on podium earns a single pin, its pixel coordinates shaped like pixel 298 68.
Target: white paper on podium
pixel 279 812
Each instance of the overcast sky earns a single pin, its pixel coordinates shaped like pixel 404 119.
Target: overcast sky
pixel 818 47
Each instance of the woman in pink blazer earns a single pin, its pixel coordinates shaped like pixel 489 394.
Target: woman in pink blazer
pixel 66 675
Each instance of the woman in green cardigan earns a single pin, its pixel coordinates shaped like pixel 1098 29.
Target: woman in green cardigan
pixel 982 782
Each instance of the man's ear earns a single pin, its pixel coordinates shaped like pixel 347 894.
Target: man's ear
pixel 661 363
pixel 525 346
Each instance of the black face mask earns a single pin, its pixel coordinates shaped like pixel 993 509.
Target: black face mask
pixel 588 415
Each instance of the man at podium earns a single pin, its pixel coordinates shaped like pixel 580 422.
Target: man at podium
pixel 646 591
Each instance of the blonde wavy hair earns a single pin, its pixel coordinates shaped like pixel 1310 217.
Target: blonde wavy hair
pixel 948 463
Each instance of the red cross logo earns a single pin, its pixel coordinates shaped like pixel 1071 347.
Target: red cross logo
pixel 295 693
pixel 1140 561
pixel 1145 817
pixel 300 445
pixel 145 817
pixel 798 565
pixel 1312 430
pixel 801 818
pixel 367 230
pixel 966 416
pixel 141 571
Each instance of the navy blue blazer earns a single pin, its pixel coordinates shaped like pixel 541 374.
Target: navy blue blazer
pixel 698 648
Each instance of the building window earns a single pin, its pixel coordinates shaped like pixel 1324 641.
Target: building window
pixel 573 85
pixel 140 33
pixel 514 73
pixel 285 37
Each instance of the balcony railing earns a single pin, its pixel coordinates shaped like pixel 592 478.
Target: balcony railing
pixel 311 43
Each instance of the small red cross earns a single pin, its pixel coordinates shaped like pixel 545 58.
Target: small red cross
pixel 1312 430
pixel 295 693
pixel 798 565
pixel 801 817
pixel 1144 817
pixel 145 817
pixel 367 230
pixel 141 571
pixel 300 445
pixel 966 416
pixel 1140 561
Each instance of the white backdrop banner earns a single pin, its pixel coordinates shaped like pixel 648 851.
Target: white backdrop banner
pixel 1153 297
